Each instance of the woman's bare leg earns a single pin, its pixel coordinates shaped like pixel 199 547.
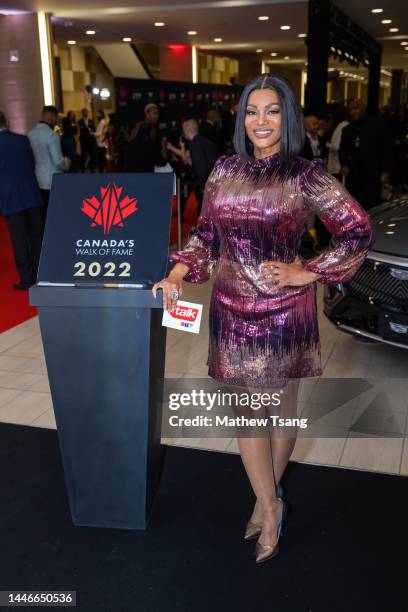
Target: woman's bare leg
pixel 283 440
pixel 265 460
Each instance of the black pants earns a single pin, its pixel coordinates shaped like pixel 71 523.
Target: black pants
pixel 45 195
pixel 101 159
pixel 26 230
pixel 87 155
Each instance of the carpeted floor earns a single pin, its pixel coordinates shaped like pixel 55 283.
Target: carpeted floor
pixel 345 546
pixel 15 307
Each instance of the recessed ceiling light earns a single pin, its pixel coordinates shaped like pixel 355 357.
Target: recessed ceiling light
pixel 191 32
pixel 274 54
pixel 302 35
pixel 259 50
pixel 159 24
pixel 386 20
pixel 263 18
pixel 127 39
pixel 286 27
pixel 217 39
pixel 90 32
pixel 286 57
pixel 393 30
pixel 377 10
pixel 71 42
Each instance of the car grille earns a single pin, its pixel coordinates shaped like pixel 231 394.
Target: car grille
pixel 373 283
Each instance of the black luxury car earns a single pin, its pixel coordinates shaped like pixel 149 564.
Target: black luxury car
pixel 374 303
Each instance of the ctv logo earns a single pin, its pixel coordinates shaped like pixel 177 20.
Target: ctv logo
pixel 110 210
pixel 187 315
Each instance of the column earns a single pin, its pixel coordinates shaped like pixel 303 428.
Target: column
pixel 23 69
pixel 373 94
pixel 396 88
pixel 317 56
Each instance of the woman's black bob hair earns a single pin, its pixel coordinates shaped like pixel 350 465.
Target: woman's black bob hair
pixel 293 130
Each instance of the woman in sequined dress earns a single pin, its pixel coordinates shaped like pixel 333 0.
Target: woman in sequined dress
pixel 263 316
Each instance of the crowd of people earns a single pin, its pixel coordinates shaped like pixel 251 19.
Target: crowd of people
pixel 368 153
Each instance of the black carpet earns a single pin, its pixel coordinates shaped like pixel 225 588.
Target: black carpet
pixel 345 547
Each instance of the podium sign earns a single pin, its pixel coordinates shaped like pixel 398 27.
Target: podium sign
pixel 105 346
pixel 101 227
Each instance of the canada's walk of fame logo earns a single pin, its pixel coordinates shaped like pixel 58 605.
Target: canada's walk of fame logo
pixel 111 209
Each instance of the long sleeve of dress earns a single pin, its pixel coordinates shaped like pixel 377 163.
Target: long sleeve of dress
pixel 345 219
pixel 201 251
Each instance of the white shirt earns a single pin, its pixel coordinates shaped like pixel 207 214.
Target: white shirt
pixel 333 164
pixel 46 146
pixel 99 132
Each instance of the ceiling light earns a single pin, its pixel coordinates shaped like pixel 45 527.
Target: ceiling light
pixel 259 50
pixel 90 32
pixel 95 91
pixel 217 39
pixel 386 20
pixel 377 10
pixel 274 54
pixel 393 30
pixel 191 32
pixel 263 18
pixel 404 42
pixel 302 35
pixel 285 27
pixel 127 39
pixel 287 57
pixel 159 24
pixel 71 42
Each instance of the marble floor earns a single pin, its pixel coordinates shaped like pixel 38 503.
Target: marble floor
pixel 25 397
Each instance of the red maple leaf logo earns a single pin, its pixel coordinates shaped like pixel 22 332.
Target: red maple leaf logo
pixel 110 209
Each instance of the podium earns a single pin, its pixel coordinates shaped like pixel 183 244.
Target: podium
pixel 103 340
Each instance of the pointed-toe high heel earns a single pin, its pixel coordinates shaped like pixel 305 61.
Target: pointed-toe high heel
pixel 263 552
pixel 253 530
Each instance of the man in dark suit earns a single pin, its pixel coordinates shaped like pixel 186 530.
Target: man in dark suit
pixel 315 145
pixel 365 155
pixel 20 202
pixel 210 128
pixel 203 154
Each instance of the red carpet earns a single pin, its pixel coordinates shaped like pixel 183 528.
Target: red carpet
pixel 14 307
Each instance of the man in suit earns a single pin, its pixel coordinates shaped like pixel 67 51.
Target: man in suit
pixel 46 146
pixel 315 145
pixel 365 155
pixel 203 153
pixel 87 141
pixel 20 202
pixel 147 145
pixel 201 156
pixel 211 129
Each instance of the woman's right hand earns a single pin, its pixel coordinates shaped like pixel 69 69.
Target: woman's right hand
pixel 172 282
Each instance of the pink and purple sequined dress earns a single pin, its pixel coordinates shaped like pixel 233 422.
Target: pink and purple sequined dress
pixel 255 210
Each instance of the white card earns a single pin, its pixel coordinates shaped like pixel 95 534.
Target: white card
pixel 185 316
